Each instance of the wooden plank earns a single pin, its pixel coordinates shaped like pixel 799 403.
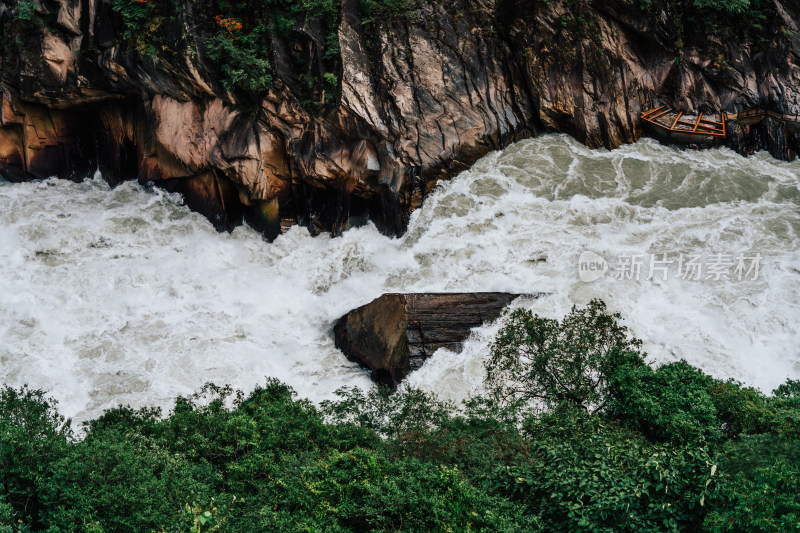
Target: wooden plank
pixel 698 122
pixel 645 115
pixel 676 120
pixel 703 126
pixel 654 117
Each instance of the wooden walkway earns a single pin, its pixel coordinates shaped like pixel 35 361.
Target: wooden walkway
pixel 681 125
pixel 677 127
pixel 704 129
pixel 762 114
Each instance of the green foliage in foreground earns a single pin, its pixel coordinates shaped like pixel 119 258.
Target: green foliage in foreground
pixel 588 438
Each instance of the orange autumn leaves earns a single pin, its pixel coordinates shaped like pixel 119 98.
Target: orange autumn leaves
pixel 231 26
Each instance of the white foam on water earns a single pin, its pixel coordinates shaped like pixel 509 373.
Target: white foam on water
pixel 122 295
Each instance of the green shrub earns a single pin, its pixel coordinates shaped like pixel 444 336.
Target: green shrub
pixel 585 474
pixel 124 419
pixel 10 521
pixel 669 403
pixel 696 20
pixel 786 406
pixel 143 23
pixel 415 424
pixel 730 7
pixel 679 402
pixel 789 393
pixel 386 11
pixel 243 64
pixel 33 436
pixel 666 449
pixel 27 10
pixel 749 453
pixel 362 490
pixel 740 409
pixel 120 483
pixel 724 7
pixel 767 501
pixel 241 33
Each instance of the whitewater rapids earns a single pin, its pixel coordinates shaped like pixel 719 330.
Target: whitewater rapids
pixel 124 296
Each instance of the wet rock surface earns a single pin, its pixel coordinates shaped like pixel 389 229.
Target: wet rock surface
pixel 418 99
pixel 395 333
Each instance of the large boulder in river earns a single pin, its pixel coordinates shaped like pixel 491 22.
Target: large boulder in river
pixel 395 333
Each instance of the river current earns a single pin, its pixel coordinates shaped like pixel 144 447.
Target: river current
pixel 124 296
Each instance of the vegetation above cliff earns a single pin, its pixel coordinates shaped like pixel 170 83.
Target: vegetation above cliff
pixel 239 37
pixel 246 44
pixel 694 21
pixel 576 433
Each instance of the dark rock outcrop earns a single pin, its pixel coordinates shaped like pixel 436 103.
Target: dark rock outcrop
pixel 395 333
pixel 419 98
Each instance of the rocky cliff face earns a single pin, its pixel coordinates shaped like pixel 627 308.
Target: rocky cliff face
pixel 418 98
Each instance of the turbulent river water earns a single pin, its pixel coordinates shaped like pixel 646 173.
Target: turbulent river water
pixel 123 296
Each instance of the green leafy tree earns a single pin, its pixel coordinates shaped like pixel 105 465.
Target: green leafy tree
pixel 543 362
pixel 387 413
